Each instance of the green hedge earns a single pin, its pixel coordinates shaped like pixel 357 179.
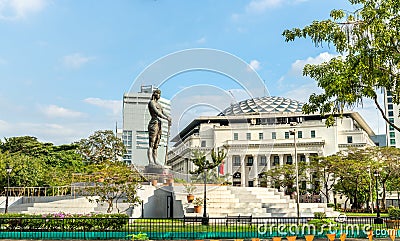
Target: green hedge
pixel 62 221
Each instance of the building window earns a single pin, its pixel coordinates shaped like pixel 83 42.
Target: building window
pixel 250 161
pixel 260 136
pixel 389 93
pixel 392 142
pixel 391 120
pixel 236 160
pixel 286 135
pixel 391 128
pixel 248 136
pixel 349 139
pixel 203 143
pixel 273 135
pixel 390 106
pixel 289 160
pixel 312 134
pixel 300 134
pixel 276 161
pixel 390 99
pixel 303 158
pixel 235 136
pixel 392 135
pixel 263 160
pixel 390 113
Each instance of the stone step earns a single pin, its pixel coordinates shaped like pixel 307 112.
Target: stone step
pixel 227 210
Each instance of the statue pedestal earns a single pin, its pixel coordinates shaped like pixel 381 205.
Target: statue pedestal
pixel 155 169
pixel 160 173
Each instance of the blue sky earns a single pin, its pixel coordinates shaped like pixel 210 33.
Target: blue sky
pixel 65 65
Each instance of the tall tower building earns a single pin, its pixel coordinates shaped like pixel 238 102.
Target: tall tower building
pixel 392 111
pixel 135 135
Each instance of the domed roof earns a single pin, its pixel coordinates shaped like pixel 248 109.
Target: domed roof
pixel 266 104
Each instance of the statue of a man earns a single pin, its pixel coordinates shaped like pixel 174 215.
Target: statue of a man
pixel 154 127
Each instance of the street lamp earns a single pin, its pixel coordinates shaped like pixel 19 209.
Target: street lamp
pixel 378 219
pixel 293 132
pixel 8 170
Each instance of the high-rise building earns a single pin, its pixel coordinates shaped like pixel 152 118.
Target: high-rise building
pixel 392 112
pixel 135 135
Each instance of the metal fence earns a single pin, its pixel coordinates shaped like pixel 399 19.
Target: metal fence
pixel 191 228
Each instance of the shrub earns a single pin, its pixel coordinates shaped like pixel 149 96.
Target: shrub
pixel 394 213
pixel 62 221
pixel 139 236
pixel 319 215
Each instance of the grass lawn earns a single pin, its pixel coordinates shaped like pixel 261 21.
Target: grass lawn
pixel 364 214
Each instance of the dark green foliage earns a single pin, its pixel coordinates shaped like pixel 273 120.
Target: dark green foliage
pixel 368 41
pixel 394 213
pixel 63 222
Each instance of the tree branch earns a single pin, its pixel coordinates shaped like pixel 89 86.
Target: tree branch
pixel 383 114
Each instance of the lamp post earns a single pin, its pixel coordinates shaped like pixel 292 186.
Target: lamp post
pixel 8 170
pixel 378 219
pixel 205 220
pixel 293 132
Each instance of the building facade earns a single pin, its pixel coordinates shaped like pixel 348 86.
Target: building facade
pixel 392 112
pixel 258 134
pixel 135 135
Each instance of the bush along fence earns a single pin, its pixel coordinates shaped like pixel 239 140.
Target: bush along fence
pixel 120 226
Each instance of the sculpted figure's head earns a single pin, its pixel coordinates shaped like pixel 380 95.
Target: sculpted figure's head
pixel 156 95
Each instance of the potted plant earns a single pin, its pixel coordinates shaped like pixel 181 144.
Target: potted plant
pixel 189 189
pixel 198 203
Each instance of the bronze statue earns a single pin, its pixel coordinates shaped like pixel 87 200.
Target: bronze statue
pixel 154 127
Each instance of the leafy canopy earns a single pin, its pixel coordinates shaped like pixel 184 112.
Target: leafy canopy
pixel 368 41
pixel 101 146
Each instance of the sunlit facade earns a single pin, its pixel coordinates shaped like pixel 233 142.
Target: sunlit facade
pixel 258 135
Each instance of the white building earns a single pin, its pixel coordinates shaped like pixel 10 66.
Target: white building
pixel 135 135
pixel 392 111
pixel 256 135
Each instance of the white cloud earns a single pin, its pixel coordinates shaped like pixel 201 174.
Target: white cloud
pixel 54 111
pixel 259 6
pixel 114 105
pixel 302 93
pixel 76 60
pixel 298 65
pixel 3 61
pixel 201 40
pixel 19 9
pixel 254 64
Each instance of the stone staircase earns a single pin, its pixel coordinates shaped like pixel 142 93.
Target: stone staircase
pixel 255 201
pixel 80 205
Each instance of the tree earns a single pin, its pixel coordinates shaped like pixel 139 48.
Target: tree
pixel 388 159
pixel 285 176
pixel 26 171
pixel 203 166
pixel 114 181
pixel 322 167
pixel 368 41
pixel 200 161
pixel 101 146
pixel 27 145
pixel 352 179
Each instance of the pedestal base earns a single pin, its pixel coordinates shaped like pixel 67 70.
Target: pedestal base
pixel 155 169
